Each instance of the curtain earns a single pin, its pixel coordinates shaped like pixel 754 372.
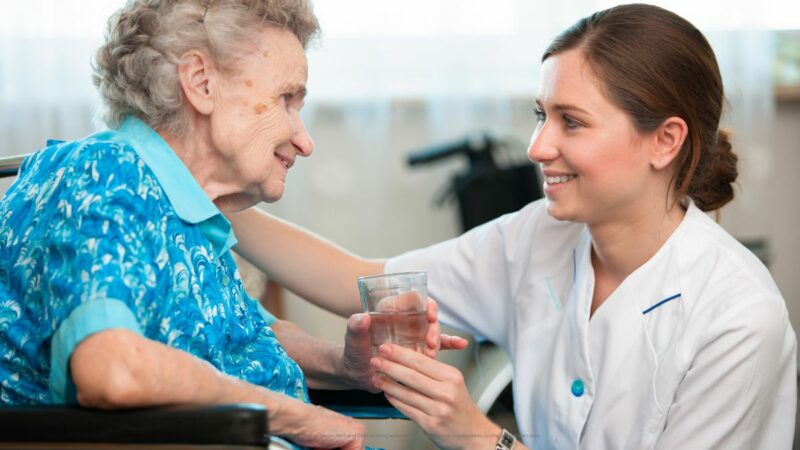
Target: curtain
pixel 388 78
pixel 45 75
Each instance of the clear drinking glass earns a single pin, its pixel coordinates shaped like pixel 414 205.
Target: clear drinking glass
pixel 397 305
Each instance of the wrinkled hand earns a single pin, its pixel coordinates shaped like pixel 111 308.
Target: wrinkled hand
pixel 358 349
pixel 434 395
pixel 317 427
pixel 358 352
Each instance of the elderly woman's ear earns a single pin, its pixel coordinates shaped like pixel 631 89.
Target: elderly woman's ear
pixel 199 79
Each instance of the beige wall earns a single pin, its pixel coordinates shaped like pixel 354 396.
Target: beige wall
pixel 785 208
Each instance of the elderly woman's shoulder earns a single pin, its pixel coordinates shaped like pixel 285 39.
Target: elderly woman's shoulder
pixel 98 165
pixel 101 147
pixel 99 155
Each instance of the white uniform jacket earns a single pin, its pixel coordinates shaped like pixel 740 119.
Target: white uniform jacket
pixel 694 350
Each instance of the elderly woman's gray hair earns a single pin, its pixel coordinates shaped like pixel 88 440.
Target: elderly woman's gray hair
pixel 136 69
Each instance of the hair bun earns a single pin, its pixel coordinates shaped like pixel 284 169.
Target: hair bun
pixel 712 186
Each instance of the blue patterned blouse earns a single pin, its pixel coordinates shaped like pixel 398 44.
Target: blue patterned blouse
pixel 112 231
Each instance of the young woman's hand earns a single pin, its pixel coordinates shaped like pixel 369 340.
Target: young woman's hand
pixel 435 340
pixel 433 395
pixel 358 349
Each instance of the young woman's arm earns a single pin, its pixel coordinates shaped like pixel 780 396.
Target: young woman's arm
pixel 304 263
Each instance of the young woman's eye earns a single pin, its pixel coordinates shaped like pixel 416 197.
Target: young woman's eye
pixel 570 123
pixel 540 115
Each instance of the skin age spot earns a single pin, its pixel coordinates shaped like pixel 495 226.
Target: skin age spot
pixel 260 108
pixel 248 83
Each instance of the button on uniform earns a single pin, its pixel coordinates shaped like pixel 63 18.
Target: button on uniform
pixel 577 388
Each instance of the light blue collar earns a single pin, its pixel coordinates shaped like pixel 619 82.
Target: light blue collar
pixel 187 197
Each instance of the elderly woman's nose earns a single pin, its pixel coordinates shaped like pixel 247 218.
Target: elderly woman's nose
pixel 301 139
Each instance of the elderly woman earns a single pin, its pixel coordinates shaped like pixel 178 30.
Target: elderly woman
pixel 117 283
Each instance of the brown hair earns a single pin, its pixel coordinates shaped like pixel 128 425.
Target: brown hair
pixel 654 65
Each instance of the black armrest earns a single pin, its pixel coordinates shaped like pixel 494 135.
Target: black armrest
pixel 234 424
pixel 243 425
pixel 355 403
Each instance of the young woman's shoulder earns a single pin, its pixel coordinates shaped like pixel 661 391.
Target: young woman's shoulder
pixel 716 262
pixel 734 312
pixel 725 284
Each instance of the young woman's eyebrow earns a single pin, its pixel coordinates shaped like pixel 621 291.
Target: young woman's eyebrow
pixel 564 107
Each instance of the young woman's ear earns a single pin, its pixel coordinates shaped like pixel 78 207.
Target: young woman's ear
pixel 668 139
pixel 197 76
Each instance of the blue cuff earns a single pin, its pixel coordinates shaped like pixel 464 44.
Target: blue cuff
pixel 85 320
pixel 369 412
pixel 287 444
pixel 265 314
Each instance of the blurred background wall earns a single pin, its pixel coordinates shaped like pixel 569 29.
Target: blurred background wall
pixel 391 77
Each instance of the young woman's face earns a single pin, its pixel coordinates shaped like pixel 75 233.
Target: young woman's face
pixel 596 165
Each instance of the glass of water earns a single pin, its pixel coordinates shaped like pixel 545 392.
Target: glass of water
pixel 397 305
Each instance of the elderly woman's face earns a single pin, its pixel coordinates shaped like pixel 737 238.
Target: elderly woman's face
pixel 257 126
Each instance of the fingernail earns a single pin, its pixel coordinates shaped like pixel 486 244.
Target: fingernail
pixel 377 381
pixel 375 362
pixel 386 349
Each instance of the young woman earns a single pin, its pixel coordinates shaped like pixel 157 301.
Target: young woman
pixel 632 319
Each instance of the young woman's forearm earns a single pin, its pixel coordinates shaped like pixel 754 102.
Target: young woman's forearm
pixel 304 263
